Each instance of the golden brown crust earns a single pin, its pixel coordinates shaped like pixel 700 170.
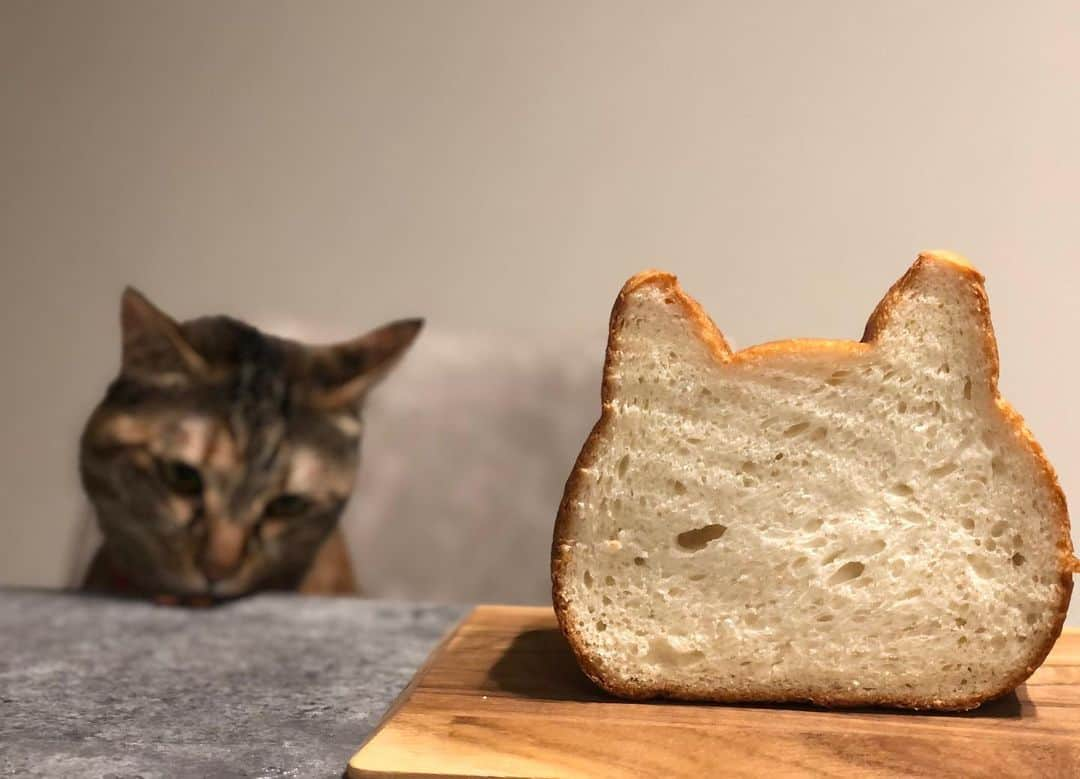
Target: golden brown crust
pixel 708 332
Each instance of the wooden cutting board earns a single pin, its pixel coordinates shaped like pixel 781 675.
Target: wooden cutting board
pixel 503 697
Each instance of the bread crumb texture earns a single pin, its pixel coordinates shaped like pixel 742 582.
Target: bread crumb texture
pixel 849 523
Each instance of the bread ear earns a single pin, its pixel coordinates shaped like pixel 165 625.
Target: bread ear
pixel 676 323
pixel 939 311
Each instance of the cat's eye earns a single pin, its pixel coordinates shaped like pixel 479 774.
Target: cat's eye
pixel 181 478
pixel 287 505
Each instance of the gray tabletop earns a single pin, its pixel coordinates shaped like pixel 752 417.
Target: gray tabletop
pixel 271 686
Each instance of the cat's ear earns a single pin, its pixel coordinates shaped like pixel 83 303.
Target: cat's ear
pixel 343 373
pixel 152 341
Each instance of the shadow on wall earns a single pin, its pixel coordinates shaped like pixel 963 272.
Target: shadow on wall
pixel 466 450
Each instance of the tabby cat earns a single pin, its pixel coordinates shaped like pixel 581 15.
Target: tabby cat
pixel 220 460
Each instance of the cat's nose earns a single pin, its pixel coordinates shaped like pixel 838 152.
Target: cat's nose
pixel 215 572
pixel 224 550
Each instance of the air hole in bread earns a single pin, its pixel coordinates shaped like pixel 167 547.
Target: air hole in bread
pixel 623 466
pixel 902 490
pixel 968 523
pixel 697 539
pixel 846 573
pixel 876 546
pixel 609 581
pixel 796 429
pixel 837 377
pixel 832 557
pixel 1018 559
pixel 662 651
pixel 588 579
pixel 640 561
pixel 980 566
pixel 696 577
pixel 942 470
pixel 998 529
pixel 967 388
pixel 813 525
pixel 678 487
pixel 601 626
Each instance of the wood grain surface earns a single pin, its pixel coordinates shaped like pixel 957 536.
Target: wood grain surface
pixel 503 697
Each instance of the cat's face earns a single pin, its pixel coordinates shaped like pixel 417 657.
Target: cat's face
pixel 221 458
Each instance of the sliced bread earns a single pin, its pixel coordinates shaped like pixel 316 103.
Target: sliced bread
pixel 847 523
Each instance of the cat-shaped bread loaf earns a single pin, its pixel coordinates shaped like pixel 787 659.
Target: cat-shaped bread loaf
pixel 220 460
pixel 849 523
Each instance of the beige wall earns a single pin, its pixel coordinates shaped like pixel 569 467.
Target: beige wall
pixel 506 165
